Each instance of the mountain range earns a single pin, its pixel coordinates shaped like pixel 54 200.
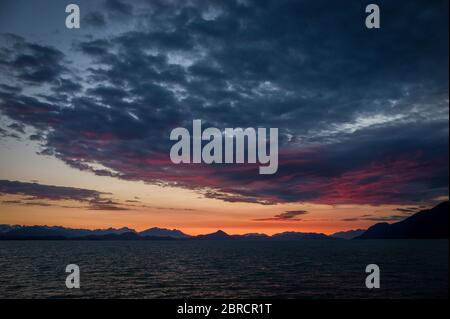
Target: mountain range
pixel 432 223
pixel 163 232
pixel 14 232
pixel 349 234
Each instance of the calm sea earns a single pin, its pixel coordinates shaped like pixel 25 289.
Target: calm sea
pixel 224 269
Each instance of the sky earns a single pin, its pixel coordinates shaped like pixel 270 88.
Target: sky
pixel 86 114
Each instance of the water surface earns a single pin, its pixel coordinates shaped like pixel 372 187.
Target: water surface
pixel 224 269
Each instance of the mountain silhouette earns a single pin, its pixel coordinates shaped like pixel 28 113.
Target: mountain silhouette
pixel 123 236
pixel 162 232
pixel 349 234
pixel 58 231
pixel 111 236
pixel 253 236
pixel 220 234
pixel 46 231
pixel 6 228
pixel 431 223
pixel 299 236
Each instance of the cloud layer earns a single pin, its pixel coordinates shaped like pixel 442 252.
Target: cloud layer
pixel 35 194
pixel 362 115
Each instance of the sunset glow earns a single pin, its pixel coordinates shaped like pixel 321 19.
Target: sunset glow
pixel 86 116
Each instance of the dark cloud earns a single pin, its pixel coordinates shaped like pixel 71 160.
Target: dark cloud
pixel 362 114
pixel 35 194
pixel 404 213
pixel 67 86
pixel 386 218
pixel 18 127
pixel 408 210
pixel 49 192
pixel 106 204
pixel 11 202
pixel 95 19
pixel 117 8
pixel 95 48
pixel 38 64
pixel 8 134
pixel 289 216
pixel 132 201
pixel 389 218
pixel 8 88
pixel 36 137
pixel 351 219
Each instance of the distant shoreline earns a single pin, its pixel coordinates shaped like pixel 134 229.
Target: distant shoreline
pixel 425 224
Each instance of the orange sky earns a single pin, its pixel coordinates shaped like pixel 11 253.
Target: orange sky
pixel 230 217
pixel 157 206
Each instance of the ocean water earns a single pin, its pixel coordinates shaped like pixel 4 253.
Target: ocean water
pixel 224 269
